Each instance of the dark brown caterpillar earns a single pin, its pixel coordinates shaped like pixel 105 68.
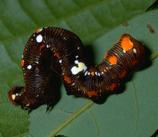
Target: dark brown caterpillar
pixel 57 50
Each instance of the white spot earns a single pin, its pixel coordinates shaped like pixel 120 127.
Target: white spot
pixel 99 74
pixel 76 56
pixel 37 62
pixel 27 105
pixel 13 96
pixel 61 34
pixel 76 62
pixel 86 73
pixel 78 48
pixel 64 38
pixel 48 46
pixel 16 94
pixel 96 73
pixel 73 84
pixel 37 96
pixel 134 50
pixel 76 69
pixel 89 73
pixel 102 72
pixel 60 61
pixel 39 38
pixel 29 67
pixel 124 51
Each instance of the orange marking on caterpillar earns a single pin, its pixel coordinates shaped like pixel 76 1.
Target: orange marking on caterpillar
pixel 67 79
pixel 22 62
pixel 112 60
pixel 113 86
pixel 126 43
pixel 122 74
pixel 92 93
pixel 42 46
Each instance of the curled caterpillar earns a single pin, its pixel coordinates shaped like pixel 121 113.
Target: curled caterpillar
pixel 58 50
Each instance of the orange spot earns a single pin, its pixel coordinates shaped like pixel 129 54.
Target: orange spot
pixel 42 46
pixel 92 93
pixel 22 62
pixel 113 87
pixel 112 59
pixel 67 79
pixel 56 54
pixel 122 74
pixel 126 43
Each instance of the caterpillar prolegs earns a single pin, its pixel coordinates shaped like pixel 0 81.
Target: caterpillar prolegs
pixel 57 50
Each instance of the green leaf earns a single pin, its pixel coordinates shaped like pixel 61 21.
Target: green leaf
pixel 132 113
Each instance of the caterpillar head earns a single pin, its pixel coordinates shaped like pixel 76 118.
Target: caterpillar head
pixel 15 94
pixel 18 96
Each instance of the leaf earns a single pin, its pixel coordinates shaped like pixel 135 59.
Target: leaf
pixel 89 19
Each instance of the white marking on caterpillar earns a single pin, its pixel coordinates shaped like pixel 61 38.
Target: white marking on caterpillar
pixel 13 96
pixel 64 38
pixel 78 48
pixel 86 73
pixel 48 46
pixel 134 50
pixel 29 67
pixel 98 74
pixel 81 67
pixel 124 51
pixel 27 105
pixel 102 73
pixel 36 62
pixel 60 61
pixel 39 38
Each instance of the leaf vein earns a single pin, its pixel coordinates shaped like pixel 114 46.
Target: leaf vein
pixel 71 118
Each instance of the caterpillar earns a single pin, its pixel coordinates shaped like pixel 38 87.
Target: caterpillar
pixel 55 50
